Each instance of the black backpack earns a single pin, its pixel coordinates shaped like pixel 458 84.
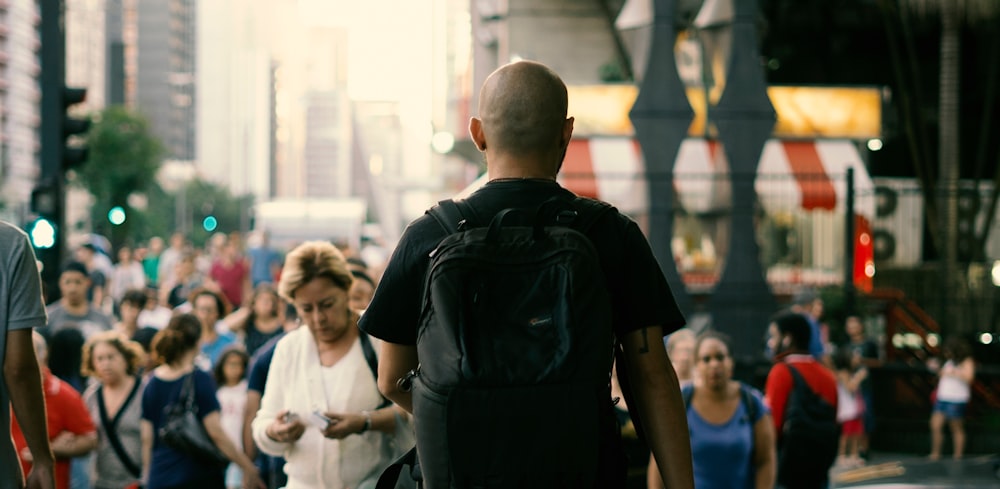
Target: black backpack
pixel 809 437
pixel 515 344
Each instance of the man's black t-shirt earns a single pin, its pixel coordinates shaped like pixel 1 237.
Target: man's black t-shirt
pixel 640 294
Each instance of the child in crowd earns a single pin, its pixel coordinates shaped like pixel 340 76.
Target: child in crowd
pixel 850 406
pixel 230 377
pixel 952 395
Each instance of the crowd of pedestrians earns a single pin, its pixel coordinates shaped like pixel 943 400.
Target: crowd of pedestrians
pixel 131 345
pixel 120 342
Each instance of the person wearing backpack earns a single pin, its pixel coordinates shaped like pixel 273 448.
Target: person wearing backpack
pixel 500 315
pixel 732 436
pixel 802 395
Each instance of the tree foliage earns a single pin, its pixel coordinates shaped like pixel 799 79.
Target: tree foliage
pixel 204 198
pixel 123 159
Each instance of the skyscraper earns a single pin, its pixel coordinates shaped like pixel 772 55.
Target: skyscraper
pixel 165 88
pixel 19 99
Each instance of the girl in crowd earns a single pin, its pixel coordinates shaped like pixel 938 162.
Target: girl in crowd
pixel 209 306
pixel 322 409
pixel 850 406
pixel 732 435
pixel 230 375
pixel 953 392
pixel 362 291
pixel 113 362
pixel 165 467
pixel 127 275
pixel 260 321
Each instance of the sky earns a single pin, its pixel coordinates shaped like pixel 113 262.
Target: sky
pixel 389 58
pixel 390 45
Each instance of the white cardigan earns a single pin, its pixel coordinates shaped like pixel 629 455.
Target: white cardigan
pixel 297 382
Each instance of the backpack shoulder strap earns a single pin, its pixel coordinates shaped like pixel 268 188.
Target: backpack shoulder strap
pixel 589 211
pixel 687 393
pixel 746 395
pixel 797 378
pixel 454 215
pixel 372 359
pixel 448 214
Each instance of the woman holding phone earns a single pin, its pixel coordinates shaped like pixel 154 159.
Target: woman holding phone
pixel 322 409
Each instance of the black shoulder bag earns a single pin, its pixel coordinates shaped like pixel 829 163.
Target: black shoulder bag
pixel 183 430
pixel 111 428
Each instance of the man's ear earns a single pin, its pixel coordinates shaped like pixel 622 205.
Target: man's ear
pixel 477 134
pixel 567 131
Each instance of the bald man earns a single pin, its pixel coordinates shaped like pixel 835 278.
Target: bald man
pixel 523 130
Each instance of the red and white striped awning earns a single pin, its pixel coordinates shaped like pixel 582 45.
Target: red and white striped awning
pixel 807 175
pixel 818 170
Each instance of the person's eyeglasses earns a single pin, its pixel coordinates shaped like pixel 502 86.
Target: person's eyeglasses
pixel 718 356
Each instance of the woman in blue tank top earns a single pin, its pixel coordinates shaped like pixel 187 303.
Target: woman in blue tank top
pixel 732 435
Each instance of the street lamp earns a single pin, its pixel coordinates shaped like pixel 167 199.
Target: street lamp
pixel 173 177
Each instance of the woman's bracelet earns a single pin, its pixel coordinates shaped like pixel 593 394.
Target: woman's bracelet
pixel 368 422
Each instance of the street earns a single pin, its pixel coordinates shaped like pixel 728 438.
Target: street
pixel 897 471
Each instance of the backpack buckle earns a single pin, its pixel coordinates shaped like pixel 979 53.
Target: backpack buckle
pixel 565 217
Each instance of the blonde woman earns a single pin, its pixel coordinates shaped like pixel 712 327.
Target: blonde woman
pixel 322 409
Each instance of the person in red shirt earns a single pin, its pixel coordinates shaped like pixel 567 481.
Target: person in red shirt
pixel 231 272
pixel 790 343
pixel 71 430
pixel 788 337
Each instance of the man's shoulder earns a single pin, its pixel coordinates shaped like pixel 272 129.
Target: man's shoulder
pixel 55 311
pixel 815 374
pixel 96 315
pixel 11 234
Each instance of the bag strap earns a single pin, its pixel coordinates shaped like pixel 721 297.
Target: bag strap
pixel 111 430
pixel 451 214
pixel 687 393
pixel 389 476
pixel 592 211
pixel 746 395
pixel 372 359
pixel 186 397
pixel 798 381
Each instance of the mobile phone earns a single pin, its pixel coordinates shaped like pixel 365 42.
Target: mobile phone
pixel 320 420
pixel 289 417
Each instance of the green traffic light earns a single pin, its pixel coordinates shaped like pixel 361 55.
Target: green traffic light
pixel 43 234
pixel 116 215
pixel 210 223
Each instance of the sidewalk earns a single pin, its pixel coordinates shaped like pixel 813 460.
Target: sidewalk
pixel 901 471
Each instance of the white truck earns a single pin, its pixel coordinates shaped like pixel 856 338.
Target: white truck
pixel 289 222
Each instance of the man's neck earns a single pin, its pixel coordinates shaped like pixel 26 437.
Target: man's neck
pixel 78 309
pixel 502 166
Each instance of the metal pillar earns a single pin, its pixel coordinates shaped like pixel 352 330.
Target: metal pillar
pixel 742 302
pixel 661 116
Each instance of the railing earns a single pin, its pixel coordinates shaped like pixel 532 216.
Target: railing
pixel 912 336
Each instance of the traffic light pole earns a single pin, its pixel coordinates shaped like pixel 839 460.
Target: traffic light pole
pixel 51 138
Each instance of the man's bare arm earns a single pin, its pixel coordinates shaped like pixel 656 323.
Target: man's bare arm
pixel 394 362
pixel 24 382
pixel 660 406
